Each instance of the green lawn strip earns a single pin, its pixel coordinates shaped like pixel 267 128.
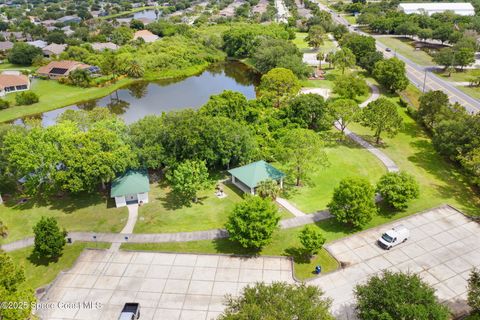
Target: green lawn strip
pixel 440 182
pixel 303 46
pixel 41 272
pixel 75 213
pixel 473 92
pixel 466 75
pixel 403 47
pixel 9 66
pixel 164 214
pixel 345 159
pixel 351 19
pixel 284 243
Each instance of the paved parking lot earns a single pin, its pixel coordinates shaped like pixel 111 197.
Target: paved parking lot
pixel 167 286
pixel 443 247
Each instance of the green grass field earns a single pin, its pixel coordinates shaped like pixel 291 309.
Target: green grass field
pixel 403 47
pixel 440 182
pixel 164 214
pixel 350 18
pixel 466 75
pixel 284 243
pixel 79 213
pixel 301 44
pixel 41 272
pixel 474 92
pixel 9 66
pixel 345 160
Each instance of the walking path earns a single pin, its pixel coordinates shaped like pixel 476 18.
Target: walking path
pixel 128 229
pixel 289 207
pixel 374 96
pixel 119 238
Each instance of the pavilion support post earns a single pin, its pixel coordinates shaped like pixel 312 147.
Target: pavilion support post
pixel 252 191
pixel 281 183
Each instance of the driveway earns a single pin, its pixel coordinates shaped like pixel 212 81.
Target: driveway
pixel 167 286
pixel 443 247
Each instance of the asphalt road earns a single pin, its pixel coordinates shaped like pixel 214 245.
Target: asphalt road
pixel 420 76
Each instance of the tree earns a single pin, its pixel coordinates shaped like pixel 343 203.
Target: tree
pixel 320 57
pixel 369 60
pixel 391 74
pixel 464 56
pixel 3 229
pixel 268 189
pixel 471 162
pixel 397 188
pixel 315 37
pixel 14 290
pixel 230 104
pixel 4 104
pixel 26 98
pixel 358 44
pixel 345 111
pixel 443 32
pixel 425 34
pixel 299 150
pixel 432 107
pixel 445 57
pixel 112 64
pixel 280 301
pixel 49 239
pixel 279 85
pixel 121 35
pixel 188 178
pixel 311 239
pixel 80 78
pixel 381 116
pixel 308 111
pixel 391 296
pixel 329 58
pixel 353 202
pixel 252 222
pixel 350 86
pixel 344 58
pixel 23 54
pixel 134 69
pixel 473 295
pixel 136 24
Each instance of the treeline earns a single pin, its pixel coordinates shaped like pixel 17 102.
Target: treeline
pixel 455 133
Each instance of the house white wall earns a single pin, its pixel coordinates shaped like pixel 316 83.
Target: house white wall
pixel 120 202
pixel 143 197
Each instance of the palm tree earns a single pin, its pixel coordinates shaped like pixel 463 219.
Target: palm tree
pixel 320 57
pixel 268 189
pixel 134 69
pixel 329 58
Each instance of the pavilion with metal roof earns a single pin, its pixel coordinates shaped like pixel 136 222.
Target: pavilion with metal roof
pixel 247 177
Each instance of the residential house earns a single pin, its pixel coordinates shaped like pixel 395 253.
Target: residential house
pixel 38 43
pixel 5 46
pixel 68 31
pixel 101 46
pixel 146 35
pixel 53 49
pixel 15 35
pixel 13 81
pixel 59 69
pixel 69 19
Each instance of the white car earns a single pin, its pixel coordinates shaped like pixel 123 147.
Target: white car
pixel 393 237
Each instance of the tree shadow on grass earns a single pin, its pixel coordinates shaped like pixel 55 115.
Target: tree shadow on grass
pixel 172 201
pixel 227 246
pixel 455 185
pixel 298 254
pixel 37 260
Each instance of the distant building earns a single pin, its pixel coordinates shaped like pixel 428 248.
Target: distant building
pixel 429 8
pixel 38 43
pixel 146 35
pixel 59 69
pixel 53 49
pixel 100 46
pixel 13 81
pixel 5 46
pixel 130 188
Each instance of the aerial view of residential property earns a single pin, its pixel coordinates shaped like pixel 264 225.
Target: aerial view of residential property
pixel 239 160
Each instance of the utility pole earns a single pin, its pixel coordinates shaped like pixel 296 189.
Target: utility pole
pixel 424 80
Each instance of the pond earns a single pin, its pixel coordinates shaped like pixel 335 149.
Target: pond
pixel 143 98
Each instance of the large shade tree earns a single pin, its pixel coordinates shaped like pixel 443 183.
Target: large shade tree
pixel 188 178
pixel 279 85
pixel 382 116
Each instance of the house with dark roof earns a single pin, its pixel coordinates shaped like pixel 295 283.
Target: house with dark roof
pixel 13 81
pixel 59 69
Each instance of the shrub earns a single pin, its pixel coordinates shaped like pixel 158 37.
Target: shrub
pixel 4 104
pixel 26 98
pixel 49 239
pixel 473 297
pixel 311 239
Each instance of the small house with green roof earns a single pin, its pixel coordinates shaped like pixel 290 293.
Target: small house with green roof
pixel 131 187
pixel 248 177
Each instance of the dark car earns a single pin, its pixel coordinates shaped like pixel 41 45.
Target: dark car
pixel 388 49
pixel 130 311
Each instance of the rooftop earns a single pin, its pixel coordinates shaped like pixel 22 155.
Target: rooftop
pixel 438 6
pixel 131 182
pixel 254 173
pixel 12 80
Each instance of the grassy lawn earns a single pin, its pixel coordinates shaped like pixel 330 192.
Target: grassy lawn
pixel 164 214
pixel 9 66
pixel 80 213
pixel 460 76
pixel 284 243
pixel 403 47
pixel 440 182
pixel 300 42
pixel 474 92
pixel 350 18
pixel 54 95
pixel 41 272
pixel 345 160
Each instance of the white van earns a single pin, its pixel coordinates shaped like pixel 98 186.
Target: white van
pixel 393 237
